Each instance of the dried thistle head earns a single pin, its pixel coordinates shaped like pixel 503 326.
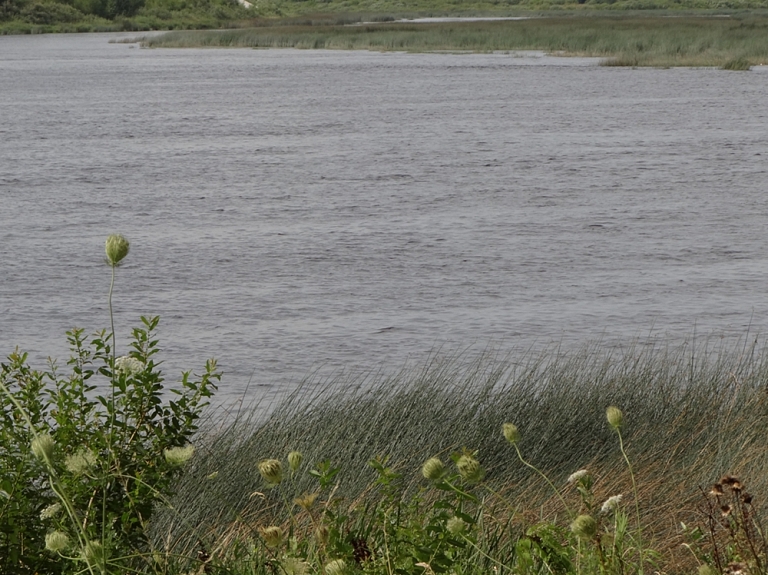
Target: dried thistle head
pixel 725 510
pixel 306 501
pixel 470 469
pixel 584 527
pixel 294 460
pixel 717 490
pixel 746 498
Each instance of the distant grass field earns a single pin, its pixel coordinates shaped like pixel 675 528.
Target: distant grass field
pixel 689 419
pixel 628 40
pixel 621 40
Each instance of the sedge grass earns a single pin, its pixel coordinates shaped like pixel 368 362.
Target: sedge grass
pixel 620 40
pixel 689 418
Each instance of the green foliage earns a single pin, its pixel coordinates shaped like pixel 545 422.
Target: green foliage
pixel 111 424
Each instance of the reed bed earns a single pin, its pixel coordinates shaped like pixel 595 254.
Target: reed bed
pixel 621 40
pixel 691 416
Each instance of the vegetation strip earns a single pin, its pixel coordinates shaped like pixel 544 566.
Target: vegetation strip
pixel 733 43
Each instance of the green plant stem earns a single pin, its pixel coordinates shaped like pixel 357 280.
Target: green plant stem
pixel 552 485
pixel 637 503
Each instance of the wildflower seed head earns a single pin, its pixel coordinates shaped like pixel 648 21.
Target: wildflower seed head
pixel 273 536
pixel 728 480
pixel 178 456
pixel 456 526
pixel 43 446
pixel 294 460
pixel 706 570
pixel 80 463
pixel 271 470
pixel 336 567
pixel 293 566
pixel 117 248
pixel 511 433
pixel 610 504
pixel 584 527
pixel 51 511
pixel 433 469
pixel 322 535
pixel 128 366
pixel 56 541
pixel 614 416
pixel 577 476
pixel 306 501
pixel 716 490
pixel 93 553
pixel 747 498
pixel 470 469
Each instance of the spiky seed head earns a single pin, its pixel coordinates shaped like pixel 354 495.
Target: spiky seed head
pixel 511 433
pixel 117 248
pixel 577 476
pixel 294 460
pixel 584 527
pixel 335 567
pixel 306 501
pixel 433 469
pixel 717 490
pixel 56 541
pixel 610 504
pixel 51 511
pixel 273 536
pixel 80 463
pixel 456 525
pixel 747 498
pixel 614 416
pixel 470 469
pixel 43 446
pixel 93 553
pixel 178 456
pixel 272 471
pixel 322 535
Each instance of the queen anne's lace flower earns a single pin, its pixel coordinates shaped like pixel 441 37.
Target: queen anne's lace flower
pixel 128 365
pixel 610 504
pixel 577 475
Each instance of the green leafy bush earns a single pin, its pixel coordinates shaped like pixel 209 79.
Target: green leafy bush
pixel 86 455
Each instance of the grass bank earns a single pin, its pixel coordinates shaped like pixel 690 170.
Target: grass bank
pixel 635 40
pixel 689 419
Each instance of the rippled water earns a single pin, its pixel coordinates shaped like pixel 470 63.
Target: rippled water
pixel 296 209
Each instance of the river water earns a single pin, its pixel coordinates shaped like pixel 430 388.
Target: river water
pixel 292 211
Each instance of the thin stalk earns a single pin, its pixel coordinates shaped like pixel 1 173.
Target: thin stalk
pixel 552 485
pixel 637 503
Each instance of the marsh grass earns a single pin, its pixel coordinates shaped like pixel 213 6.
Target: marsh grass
pixel 689 418
pixel 621 40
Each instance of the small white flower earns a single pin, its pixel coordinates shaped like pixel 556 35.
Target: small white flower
pixel 80 463
pixel 577 475
pixel 50 511
pixel 128 365
pixel 610 504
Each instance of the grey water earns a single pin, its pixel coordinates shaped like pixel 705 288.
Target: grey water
pixel 293 212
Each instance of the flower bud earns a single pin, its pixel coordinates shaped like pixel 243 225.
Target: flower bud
pixel 322 535
pixel 271 470
pixel 470 469
pixel 93 553
pixel 511 433
pixel 456 526
pixel 273 536
pixel 294 460
pixel 433 469
pixel 336 567
pixel 42 447
pixel 614 416
pixel 56 541
pixel 117 248
pixel 584 526
pixel 178 456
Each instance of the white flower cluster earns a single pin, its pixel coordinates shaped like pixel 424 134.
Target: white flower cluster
pixel 577 475
pixel 128 365
pixel 610 504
